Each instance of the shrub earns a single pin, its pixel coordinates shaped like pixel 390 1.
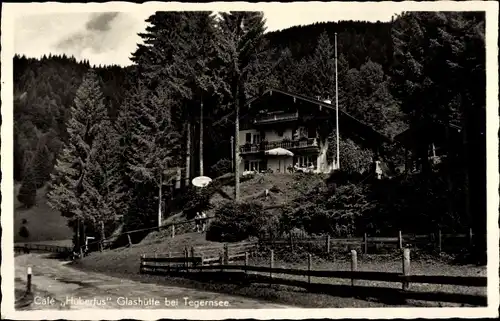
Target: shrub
pixel 23 232
pixel 237 222
pixel 337 211
pixel 197 199
pixel 220 168
pixel 27 192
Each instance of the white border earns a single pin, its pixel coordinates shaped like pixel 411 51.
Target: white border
pixel 9 10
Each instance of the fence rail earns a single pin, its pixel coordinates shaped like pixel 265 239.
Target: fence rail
pixel 30 247
pixel 197 265
pixel 107 242
pixel 434 240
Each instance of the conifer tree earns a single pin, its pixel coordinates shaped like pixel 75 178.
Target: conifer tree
pixel 67 188
pixel 27 192
pixel 180 55
pixel 103 197
pixel 240 46
pixel 439 76
pixel 155 142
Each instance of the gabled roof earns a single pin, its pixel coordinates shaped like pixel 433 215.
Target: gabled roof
pixel 369 130
pixel 423 128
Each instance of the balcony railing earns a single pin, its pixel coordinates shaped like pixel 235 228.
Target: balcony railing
pixel 286 144
pixel 276 118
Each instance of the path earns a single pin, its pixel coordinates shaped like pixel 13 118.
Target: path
pixel 59 287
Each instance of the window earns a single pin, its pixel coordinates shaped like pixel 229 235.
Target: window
pixel 306 161
pixel 311 132
pixel 248 138
pixel 256 138
pixel 280 132
pixel 253 165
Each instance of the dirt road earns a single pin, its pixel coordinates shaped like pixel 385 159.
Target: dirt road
pixel 57 286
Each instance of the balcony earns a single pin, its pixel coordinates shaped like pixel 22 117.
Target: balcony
pixel 286 144
pixel 275 118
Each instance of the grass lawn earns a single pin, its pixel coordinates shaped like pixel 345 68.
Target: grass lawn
pixel 127 259
pixel 43 223
pixel 125 263
pixel 381 263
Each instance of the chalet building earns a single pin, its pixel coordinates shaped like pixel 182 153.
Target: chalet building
pixel 428 143
pixel 285 133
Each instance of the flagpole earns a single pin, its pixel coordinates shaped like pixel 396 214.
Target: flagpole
pixel 337 105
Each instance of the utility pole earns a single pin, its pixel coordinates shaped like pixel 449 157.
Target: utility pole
pixel 337 105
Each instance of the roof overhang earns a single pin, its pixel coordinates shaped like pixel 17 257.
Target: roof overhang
pixel 321 110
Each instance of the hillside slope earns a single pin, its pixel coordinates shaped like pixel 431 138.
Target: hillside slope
pixel 43 222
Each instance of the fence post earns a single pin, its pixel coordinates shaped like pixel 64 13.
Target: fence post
pixel 186 257
pixel 156 263
pixel 470 237
pixel 271 264
pixel 28 284
pixel 439 241
pixel 192 256
pixel 400 239
pixel 246 262
pixel 328 244
pixel 129 240
pixel 309 268
pixel 221 260
pixel 406 267
pixel 354 264
pixel 291 241
pixel 365 241
pixel 169 262
pixel 226 254
pixel 141 268
pixel 173 231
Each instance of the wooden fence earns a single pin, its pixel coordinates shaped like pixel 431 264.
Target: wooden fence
pixel 31 247
pixel 172 227
pixel 224 253
pixel 437 241
pixel 174 265
pixel 207 255
pixel 103 244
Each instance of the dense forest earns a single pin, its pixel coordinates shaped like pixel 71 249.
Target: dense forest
pixel 107 139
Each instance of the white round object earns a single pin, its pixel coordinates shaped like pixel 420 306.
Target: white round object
pixel 201 181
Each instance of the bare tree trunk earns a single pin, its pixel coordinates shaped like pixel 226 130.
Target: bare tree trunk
pixel 159 200
pixel 465 141
pixel 201 137
pixel 188 152
pixel 84 234
pixel 103 236
pixel 237 147
pixel 448 168
pixel 232 154
pixel 77 233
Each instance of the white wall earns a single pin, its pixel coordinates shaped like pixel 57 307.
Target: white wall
pixel 247 158
pixel 270 135
pixel 279 164
pixel 243 134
